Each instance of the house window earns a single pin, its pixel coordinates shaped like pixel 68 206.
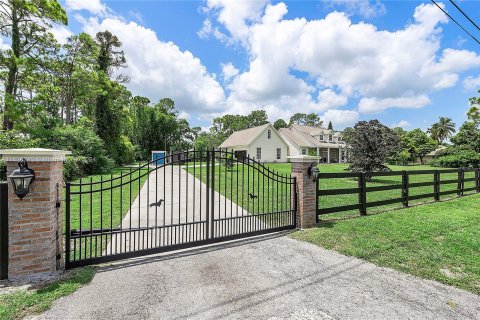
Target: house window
pixel 304 152
pixel 259 153
pixel 330 137
pixel 279 153
pixel 321 137
pixel 269 134
pixel 339 138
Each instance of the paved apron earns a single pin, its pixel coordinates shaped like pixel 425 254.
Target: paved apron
pixel 271 277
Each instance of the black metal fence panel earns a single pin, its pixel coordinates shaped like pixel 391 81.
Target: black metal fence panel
pixel 354 192
pixel 192 198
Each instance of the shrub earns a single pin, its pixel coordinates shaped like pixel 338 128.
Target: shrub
pixel 124 151
pixel 83 142
pixel 15 140
pixel 461 159
pixel 74 167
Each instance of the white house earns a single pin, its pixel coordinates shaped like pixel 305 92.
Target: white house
pixel 262 143
pixel 328 145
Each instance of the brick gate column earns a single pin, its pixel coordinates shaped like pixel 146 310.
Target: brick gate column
pixel 35 223
pixel 306 215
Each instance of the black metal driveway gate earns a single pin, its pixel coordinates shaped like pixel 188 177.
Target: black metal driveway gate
pixel 182 200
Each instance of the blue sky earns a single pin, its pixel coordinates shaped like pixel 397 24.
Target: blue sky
pixel 401 62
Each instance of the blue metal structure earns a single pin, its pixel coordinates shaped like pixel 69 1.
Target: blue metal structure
pixel 158 157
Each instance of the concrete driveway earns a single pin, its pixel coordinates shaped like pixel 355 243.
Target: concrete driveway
pixel 184 201
pixel 270 277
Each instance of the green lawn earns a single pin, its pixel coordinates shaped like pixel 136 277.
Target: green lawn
pixel 103 209
pixel 229 182
pixel 25 303
pixel 237 183
pixel 438 241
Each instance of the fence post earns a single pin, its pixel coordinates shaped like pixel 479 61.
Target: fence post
pixel 33 222
pixel 477 180
pixel 307 193
pixel 317 187
pixel 405 188
pixel 362 194
pixel 460 182
pixel 436 185
pixel 3 230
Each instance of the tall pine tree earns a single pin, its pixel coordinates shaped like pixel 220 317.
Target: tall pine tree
pixel 108 115
pixel 27 25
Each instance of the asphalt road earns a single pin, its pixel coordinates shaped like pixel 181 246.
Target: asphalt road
pixel 272 277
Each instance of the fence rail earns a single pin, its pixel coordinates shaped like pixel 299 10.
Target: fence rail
pixel 431 185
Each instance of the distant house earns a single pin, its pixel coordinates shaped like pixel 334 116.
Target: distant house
pixel 431 155
pixel 327 144
pixel 262 143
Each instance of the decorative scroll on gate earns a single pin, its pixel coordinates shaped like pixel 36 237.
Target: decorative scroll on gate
pixel 193 198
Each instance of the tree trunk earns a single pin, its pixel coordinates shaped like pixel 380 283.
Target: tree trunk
pixel 10 86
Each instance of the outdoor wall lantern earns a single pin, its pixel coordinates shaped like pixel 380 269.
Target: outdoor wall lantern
pixel 313 171
pixel 22 178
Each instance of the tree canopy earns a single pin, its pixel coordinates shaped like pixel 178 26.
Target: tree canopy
pixel 443 129
pixel 311 119
pixel 26 24
pixel 280 123
pixel 418 143
pixel 371 144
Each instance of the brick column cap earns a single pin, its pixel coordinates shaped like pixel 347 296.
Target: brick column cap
pixel 34 154
pixel 302 159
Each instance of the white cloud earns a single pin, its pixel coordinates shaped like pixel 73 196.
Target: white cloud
pixel 93 6
pixel 471 83
pixel 342 60
pixel 401 124
pixel 374 105
pixel 3 44
pixel 206 29
pixel 235 15
pixel 385 69
pixel 184 115
pixel 135 14
pixel 160 69
pixel 61 33
pixel 364 8
pixel 328 99
pixel 340 118
pixel 229 71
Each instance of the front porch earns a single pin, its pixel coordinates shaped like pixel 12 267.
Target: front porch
pixel 330 155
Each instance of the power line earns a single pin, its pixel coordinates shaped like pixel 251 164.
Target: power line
pixel 458 24
pixel 466 16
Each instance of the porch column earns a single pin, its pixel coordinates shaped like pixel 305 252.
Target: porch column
pixel 328 155
pixel 35 236
pixel 306 191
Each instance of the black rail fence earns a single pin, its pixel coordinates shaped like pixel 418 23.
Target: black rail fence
pixel 193 198
pixel 353 193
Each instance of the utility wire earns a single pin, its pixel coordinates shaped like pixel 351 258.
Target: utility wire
pixel 458 24
pixel 466 16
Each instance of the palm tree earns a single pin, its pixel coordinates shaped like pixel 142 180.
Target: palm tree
pixel 442 130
